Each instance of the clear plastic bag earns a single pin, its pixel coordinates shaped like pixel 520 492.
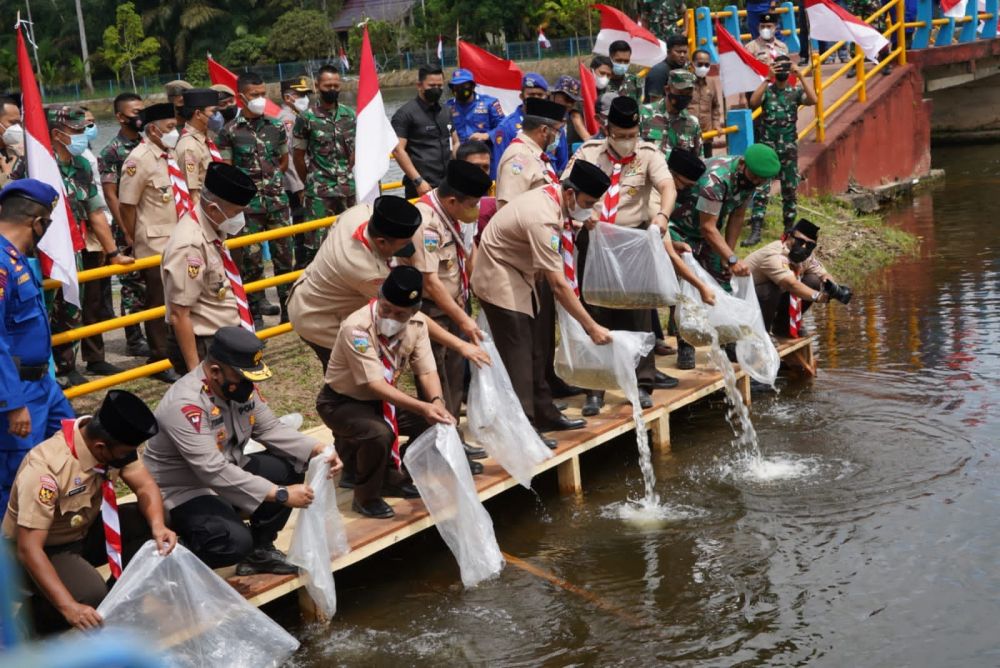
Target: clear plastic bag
pixel 498 423
pixel 628 269
pixel 756 353
pixel 320 536
pixel 731 317
pixel 581 362
pixel 440 470
pixel 192 615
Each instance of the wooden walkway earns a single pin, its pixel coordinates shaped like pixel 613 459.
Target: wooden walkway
pixel 369 536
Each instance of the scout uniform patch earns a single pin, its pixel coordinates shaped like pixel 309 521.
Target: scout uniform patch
pixel 47 490
pixel 194 266
pixel 431 241
pixel 554 242
pixel 130 168
pixel 360 341
pixel 516 168
pixel 220 438
pixel 194 415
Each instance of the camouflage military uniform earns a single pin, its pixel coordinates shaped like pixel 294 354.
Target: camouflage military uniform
pixel 662 17
pixel 256 146
pixel 327 136
pixel 110 161
pixel 629 86
pixel 780 112
pixel 669 131
pixel 865 8
pixel 17 170
pixel 720 192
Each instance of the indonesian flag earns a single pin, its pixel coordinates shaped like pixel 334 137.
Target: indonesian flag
pixel 543 40
pixel 494 75
pixel 647 50
pixel 831 22
pixel 953 8
pixel 740 72
pixel 588 90
pixel 218 74
pixel 343 59
pixel 61 239
pixel 440 51
pixel 373 126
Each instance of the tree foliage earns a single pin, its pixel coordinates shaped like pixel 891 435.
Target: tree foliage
pixel 301 34
pixel 126 48
pixel 245 50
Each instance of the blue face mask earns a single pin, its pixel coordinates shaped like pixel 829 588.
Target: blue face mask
pixel 215 122
pixel 77 145
pixel 620 69
pixel 90 133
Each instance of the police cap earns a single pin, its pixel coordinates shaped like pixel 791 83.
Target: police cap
pixel 242 350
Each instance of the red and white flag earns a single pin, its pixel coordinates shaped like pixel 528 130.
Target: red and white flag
pixel 494 75
pixel 588 91
pixel 740 72
pixel 343 59
pixel 543 40
pixel 440 51
pixel 219 74
pixel 647 49
pixel 953 8
pixel 830 22
pixel 63 236
pixel 373 126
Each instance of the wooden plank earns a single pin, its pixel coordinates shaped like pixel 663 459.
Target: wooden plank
pixel 569 476
pixel 660 429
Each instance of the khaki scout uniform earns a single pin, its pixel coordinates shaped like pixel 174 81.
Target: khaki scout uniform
pixel 193 158
pixel 521 169
pixel 353 413
pixel 521 240
pixel 639 180
pixel 343 276
pixel 145 184
pixel 769 266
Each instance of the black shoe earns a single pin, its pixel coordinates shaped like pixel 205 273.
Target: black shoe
pixel 561 390
pixel 406 490
pixel 258 323
pixel 662 381
pixel 757 387
pixel 685 355
pixel 473 452
pixel 562 423
pixel 851 73
pixel 346 480
pixel 803 62
pixel 475 467
pixel 887 70
pixel 138 349
pixel 168 376
pixel 592 405
pixel 376 508
pixel 754 238
pixel 266 559
pixel 102 368
pixel 284 315
pixel 549 443
pixel 72 379
pixel 645 401
pixel 560 405
pixel 265 307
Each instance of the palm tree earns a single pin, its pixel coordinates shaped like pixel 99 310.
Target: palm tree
pixel 83 48
pixel 181 19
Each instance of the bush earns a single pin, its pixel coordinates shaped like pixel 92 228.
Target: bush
pixel 301 34
pixel 197 73
pixel 245 50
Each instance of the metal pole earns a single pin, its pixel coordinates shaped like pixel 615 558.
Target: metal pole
pixel 34 47
pixel 818 87
pixel 901 27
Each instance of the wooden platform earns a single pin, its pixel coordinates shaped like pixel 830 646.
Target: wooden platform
pixel 369 536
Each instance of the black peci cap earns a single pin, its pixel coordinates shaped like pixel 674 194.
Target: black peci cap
pixel 808 228
pixel 394 217
pixel 127 418
pixel 768 18
pixel 686 163
pixel 547 109
pixel 229 183
pixel 467 178
pixel 624 112
pixel 157 112
pixel 588 178
pixel 201 97
pixel 403 286
pixel 241 349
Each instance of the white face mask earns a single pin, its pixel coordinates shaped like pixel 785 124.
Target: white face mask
pixel 13 135
pixel 602 82
pixel 766 34
pixel 701 71
pixel 256 106
pixel 389 328
pixel 301 103
pixel 233 224
pixel 578 214
pixel 171 138
pixel 623 147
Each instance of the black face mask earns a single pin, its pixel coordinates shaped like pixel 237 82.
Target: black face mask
pixel 122 462
pixel 239 392
pixel 432 95
pixel 781 76
pixel 329 96
pixel 680 102
pixel 35 236
pixel 743 183
pixel 800 251
pixel 464 94
pixel 406 251
pixel 133 123
pixel 229 113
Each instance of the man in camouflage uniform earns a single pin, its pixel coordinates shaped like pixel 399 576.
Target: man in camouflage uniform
pixel 667 123
pixel 622 81
pixel 258 147
pixel 779 102
pixel 128 108
pixel 323 144
pixel 663 17
pixel 863 9
pixel 12 163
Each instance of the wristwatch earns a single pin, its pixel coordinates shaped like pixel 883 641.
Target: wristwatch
pixel 417 181
pixel 115 253
pixel 732 260
pixel 281 496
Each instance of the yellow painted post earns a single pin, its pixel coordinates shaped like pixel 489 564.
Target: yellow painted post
pixel 901 30
pixel 691 33
pixel 818 86
pixel 863 89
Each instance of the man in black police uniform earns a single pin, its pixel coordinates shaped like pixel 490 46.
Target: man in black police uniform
pixel 426 137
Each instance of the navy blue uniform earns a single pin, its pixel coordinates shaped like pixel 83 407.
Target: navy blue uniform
pixel 504 134
pixel 25 348
pixel 481 114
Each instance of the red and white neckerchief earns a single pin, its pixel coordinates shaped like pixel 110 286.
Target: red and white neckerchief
pixel 182 196
pixel 547 169
pixel 568 245
pixel 794 315
pixel 359 235
pixel 109 506
pixel 213 150
pixel 609 207
pixel 389 364
pixel 431 200
pixel 236 285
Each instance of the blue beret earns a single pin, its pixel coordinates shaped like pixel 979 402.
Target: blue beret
pixel 33 189
pixel 461 76
pixel 534 80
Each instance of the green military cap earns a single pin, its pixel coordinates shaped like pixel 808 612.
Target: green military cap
pixel 223 90
pixel 681 79
pixel 73 118
pixel 176 87
pixel 762 161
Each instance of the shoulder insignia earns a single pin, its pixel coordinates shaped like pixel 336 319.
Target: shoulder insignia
pixel 431 241
pixel 253 419
pixel 499 138
pixel 130 168
pixel 516 168
pixel 220 438
pixel 48 490
pixel 554 242
pixel 194 415
pixel 193 270
pixel 23 278
pixel 215 412
pixel 190 165
pixel 360 343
